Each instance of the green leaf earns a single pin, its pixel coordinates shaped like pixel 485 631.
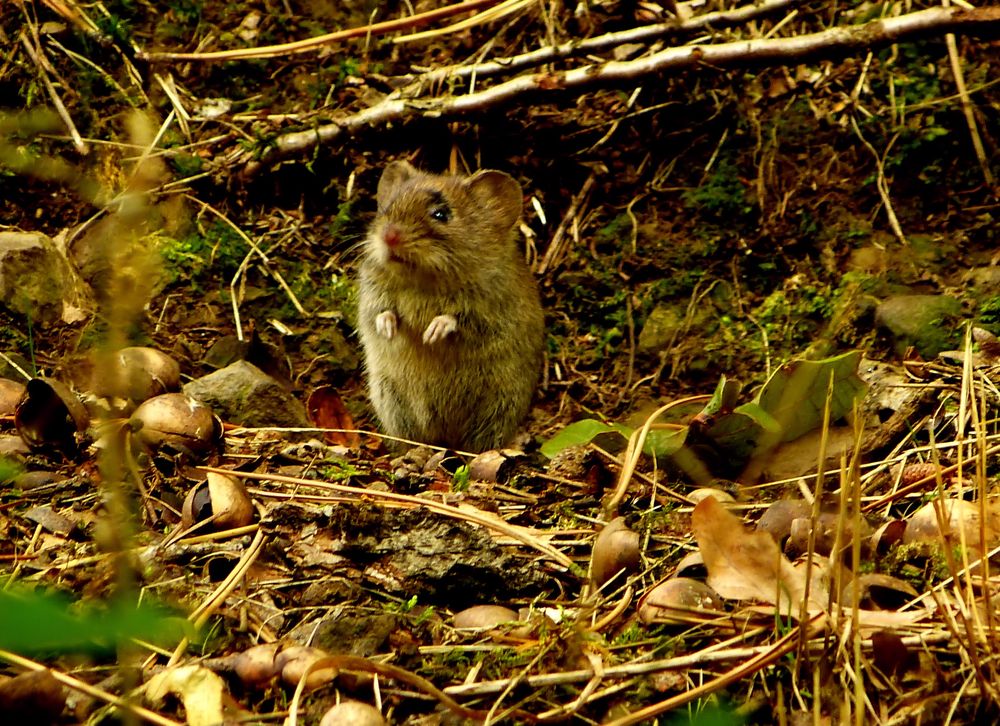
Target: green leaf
pixel 9 469
pixel 795 396
pixel 44 622
pixel 762 418
pixel 579 433
pixel 659 443
pixel 723 398
pixel 665 442
pixel 737 435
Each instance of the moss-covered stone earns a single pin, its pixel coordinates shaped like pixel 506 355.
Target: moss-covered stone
pixel 929 323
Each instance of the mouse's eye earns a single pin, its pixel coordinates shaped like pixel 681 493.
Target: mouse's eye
pixel 441 213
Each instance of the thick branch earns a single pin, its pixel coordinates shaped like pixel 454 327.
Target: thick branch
pixel 824 44
pixel 601 43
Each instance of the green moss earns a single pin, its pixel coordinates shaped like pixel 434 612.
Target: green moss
pixel 616 229
pixel 858 281
pixel 682 283
pixel 187 164
pixel 114 26
pixel 915 563
pixel 212 252
pixel 187 12
pixel 988 314
pixel 345 219
pixel 722 197
pixel 632 634
pixel 501 662
pixel 336 470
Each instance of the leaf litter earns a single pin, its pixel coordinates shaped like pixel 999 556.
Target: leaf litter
pixel 344 571
pixel 338 549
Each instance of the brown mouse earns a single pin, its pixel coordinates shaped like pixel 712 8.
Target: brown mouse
pixel 449 313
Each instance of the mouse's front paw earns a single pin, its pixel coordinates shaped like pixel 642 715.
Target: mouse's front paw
pixel 441 327
pixel 386 324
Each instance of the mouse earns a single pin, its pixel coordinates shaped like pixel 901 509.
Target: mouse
pixel 449 314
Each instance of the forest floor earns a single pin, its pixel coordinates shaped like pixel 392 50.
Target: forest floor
pixel 706 199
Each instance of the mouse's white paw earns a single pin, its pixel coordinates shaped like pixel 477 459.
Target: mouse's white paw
pixel 441 327
pixel 386 324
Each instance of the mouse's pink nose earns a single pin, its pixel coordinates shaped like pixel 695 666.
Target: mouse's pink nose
pixel 392 236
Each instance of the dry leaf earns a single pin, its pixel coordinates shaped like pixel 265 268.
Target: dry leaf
pixel 199 689
pixel 745 565
pixel 327 411
pixel 798 457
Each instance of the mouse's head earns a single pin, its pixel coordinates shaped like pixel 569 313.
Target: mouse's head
pixel 443 224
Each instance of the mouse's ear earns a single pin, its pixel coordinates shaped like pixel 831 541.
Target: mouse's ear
pixel 498 192
pixel 395 173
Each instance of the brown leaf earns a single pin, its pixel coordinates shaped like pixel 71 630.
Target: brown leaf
pixel 327 410
pixel 745 565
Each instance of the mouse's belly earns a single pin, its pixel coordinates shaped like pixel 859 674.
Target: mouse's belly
pixel 444 394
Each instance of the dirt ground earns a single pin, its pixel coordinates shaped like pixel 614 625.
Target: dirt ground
pixel 713 216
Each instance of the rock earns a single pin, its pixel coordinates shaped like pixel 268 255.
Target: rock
pixel 931 250
pixel 339 354
pixel 411 552
pixel 663 323
pixel 871 260
pixel 349 632
pixel 985 281
pixel 36 280
pixel 244 394
pixel 927 322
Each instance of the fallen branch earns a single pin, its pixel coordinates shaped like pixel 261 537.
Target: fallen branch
pixel 984 22
pixel 599 44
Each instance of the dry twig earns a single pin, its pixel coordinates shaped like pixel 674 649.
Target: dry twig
pixel 311 44
pixel 823 44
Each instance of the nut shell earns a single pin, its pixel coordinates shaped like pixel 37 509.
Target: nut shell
pixel 221 497
pixel 615 549
pixel 672 601
pixel 962 517
pixel 10 394
pixel 136 373
pixel 178 422
pixel 720 495
pixel 49 416
pixel 352 713
pixel 293 662
pixel 480 617
pixel 257 665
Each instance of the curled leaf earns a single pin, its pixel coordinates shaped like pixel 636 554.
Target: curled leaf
pixel 745 565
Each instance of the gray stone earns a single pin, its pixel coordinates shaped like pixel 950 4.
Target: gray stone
pixel 663 323
pixel 35 278
pixel 926 322
pixel 242 393
pixel 984 280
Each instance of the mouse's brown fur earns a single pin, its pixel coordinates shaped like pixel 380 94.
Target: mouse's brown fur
pixel 449 312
